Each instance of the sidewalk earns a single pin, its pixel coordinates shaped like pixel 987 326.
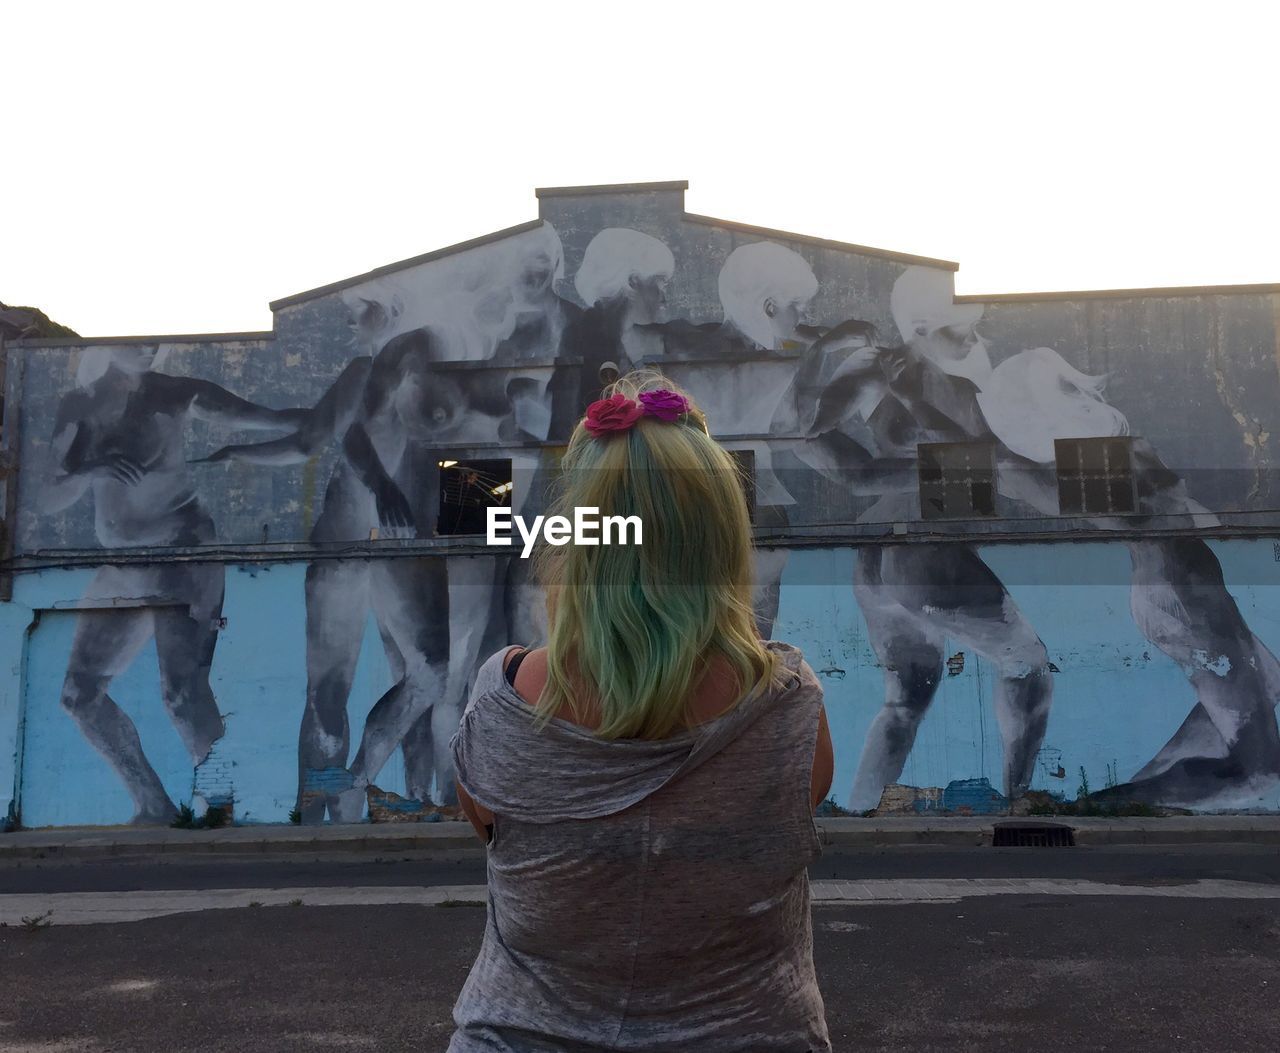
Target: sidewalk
pixel 387 838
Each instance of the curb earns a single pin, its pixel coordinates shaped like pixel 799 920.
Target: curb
pixel 457 838
pixel 1174 830
pixel 245 840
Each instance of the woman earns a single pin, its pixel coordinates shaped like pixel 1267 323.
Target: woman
pixel 646 783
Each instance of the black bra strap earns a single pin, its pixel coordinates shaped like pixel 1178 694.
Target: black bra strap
pixel 514 665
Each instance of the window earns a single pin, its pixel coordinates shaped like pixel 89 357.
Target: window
pixel 467 490
pixel 957 480
pixel 1095 476
pixel 746 461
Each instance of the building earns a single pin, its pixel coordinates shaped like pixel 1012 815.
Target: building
pixel 1028 541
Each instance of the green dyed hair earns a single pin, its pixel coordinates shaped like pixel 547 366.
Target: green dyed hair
pixel 633 627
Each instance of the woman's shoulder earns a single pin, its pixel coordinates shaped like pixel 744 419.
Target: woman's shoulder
pixel 491 675
pixel 795 673
pixel 511 667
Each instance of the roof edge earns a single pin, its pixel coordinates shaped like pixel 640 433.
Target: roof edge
pixel 610 188
pixel 826 243
pixel 180 338
pixel 1260 289
pixel 413 261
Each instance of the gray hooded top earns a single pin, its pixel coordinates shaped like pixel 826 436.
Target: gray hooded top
pixel 645 896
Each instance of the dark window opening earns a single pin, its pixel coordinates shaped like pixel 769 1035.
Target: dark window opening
pixel 468 489
pixel 1095 476
pixel 957 480
pixel 746 462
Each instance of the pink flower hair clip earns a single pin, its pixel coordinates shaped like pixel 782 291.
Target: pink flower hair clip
pixel 618 413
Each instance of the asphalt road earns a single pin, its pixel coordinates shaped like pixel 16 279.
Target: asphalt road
pixel 1119 864
pixel 1014 973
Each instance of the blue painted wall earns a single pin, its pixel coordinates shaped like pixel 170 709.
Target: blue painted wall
pixel 1117 700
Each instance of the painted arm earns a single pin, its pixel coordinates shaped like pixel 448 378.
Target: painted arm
pixel 74 470
pixel 843 460
pixel 333 415
pixel 912 377
pixel 394 510
pixel 210 402
pixel 834 377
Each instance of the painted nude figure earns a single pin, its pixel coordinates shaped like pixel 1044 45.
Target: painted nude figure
pixel 1227 751
pixel 864 410
pixel 119 437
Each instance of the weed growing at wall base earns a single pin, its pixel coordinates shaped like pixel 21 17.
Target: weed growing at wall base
pixel 587 527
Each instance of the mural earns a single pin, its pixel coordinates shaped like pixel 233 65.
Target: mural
pixel 832 380
pixel 118 437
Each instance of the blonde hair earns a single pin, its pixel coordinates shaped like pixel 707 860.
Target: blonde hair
pixel 633 627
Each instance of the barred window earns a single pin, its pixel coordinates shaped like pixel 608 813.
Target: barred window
pixel 957 480
pixel 468 489
pixel 1095 476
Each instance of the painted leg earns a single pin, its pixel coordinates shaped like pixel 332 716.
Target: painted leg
pixel 337 597
pixel 526 609
pixel 960 598
pixel 106 643
pixel 768 567
pixel 911 656
pixel 411 602
pixel 474 618
pixel 1180 602
pixel 766 589
pixel 1024 691
pixel 185 642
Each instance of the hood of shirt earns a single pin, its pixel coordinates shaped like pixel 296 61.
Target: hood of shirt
pixel 562 770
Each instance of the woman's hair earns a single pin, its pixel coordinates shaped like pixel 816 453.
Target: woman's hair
pixel 633 627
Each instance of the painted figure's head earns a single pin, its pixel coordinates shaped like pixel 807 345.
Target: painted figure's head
pixel 632 626
pixel 765 290
pixel 1036 396
pixel 127 362
pixel 372 315
pixel 624 262
pixel 929 320
pixel 539 265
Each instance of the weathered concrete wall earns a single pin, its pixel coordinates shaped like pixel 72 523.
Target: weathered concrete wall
pixel 233 549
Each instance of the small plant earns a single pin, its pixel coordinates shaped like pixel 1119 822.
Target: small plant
pixel 255 903
pixel 214 817
pixel 1084 784
pixel 36 922
pixel 185 819
pixel 295 817
pixel 295 903
pixel 460 903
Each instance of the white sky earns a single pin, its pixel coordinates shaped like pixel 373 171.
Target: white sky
pixel 172 167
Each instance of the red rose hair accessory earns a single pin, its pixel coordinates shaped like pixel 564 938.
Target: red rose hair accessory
pixel 619 413
pixel 616 413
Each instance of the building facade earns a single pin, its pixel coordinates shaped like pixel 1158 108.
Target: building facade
pixel 1029 542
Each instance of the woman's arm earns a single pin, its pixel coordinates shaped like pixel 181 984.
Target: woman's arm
pixel 481 818
pixel 823 762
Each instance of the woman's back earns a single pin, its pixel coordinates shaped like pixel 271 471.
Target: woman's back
pixel 645 894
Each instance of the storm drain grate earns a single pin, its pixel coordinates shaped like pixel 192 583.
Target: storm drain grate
pixel 1033 835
